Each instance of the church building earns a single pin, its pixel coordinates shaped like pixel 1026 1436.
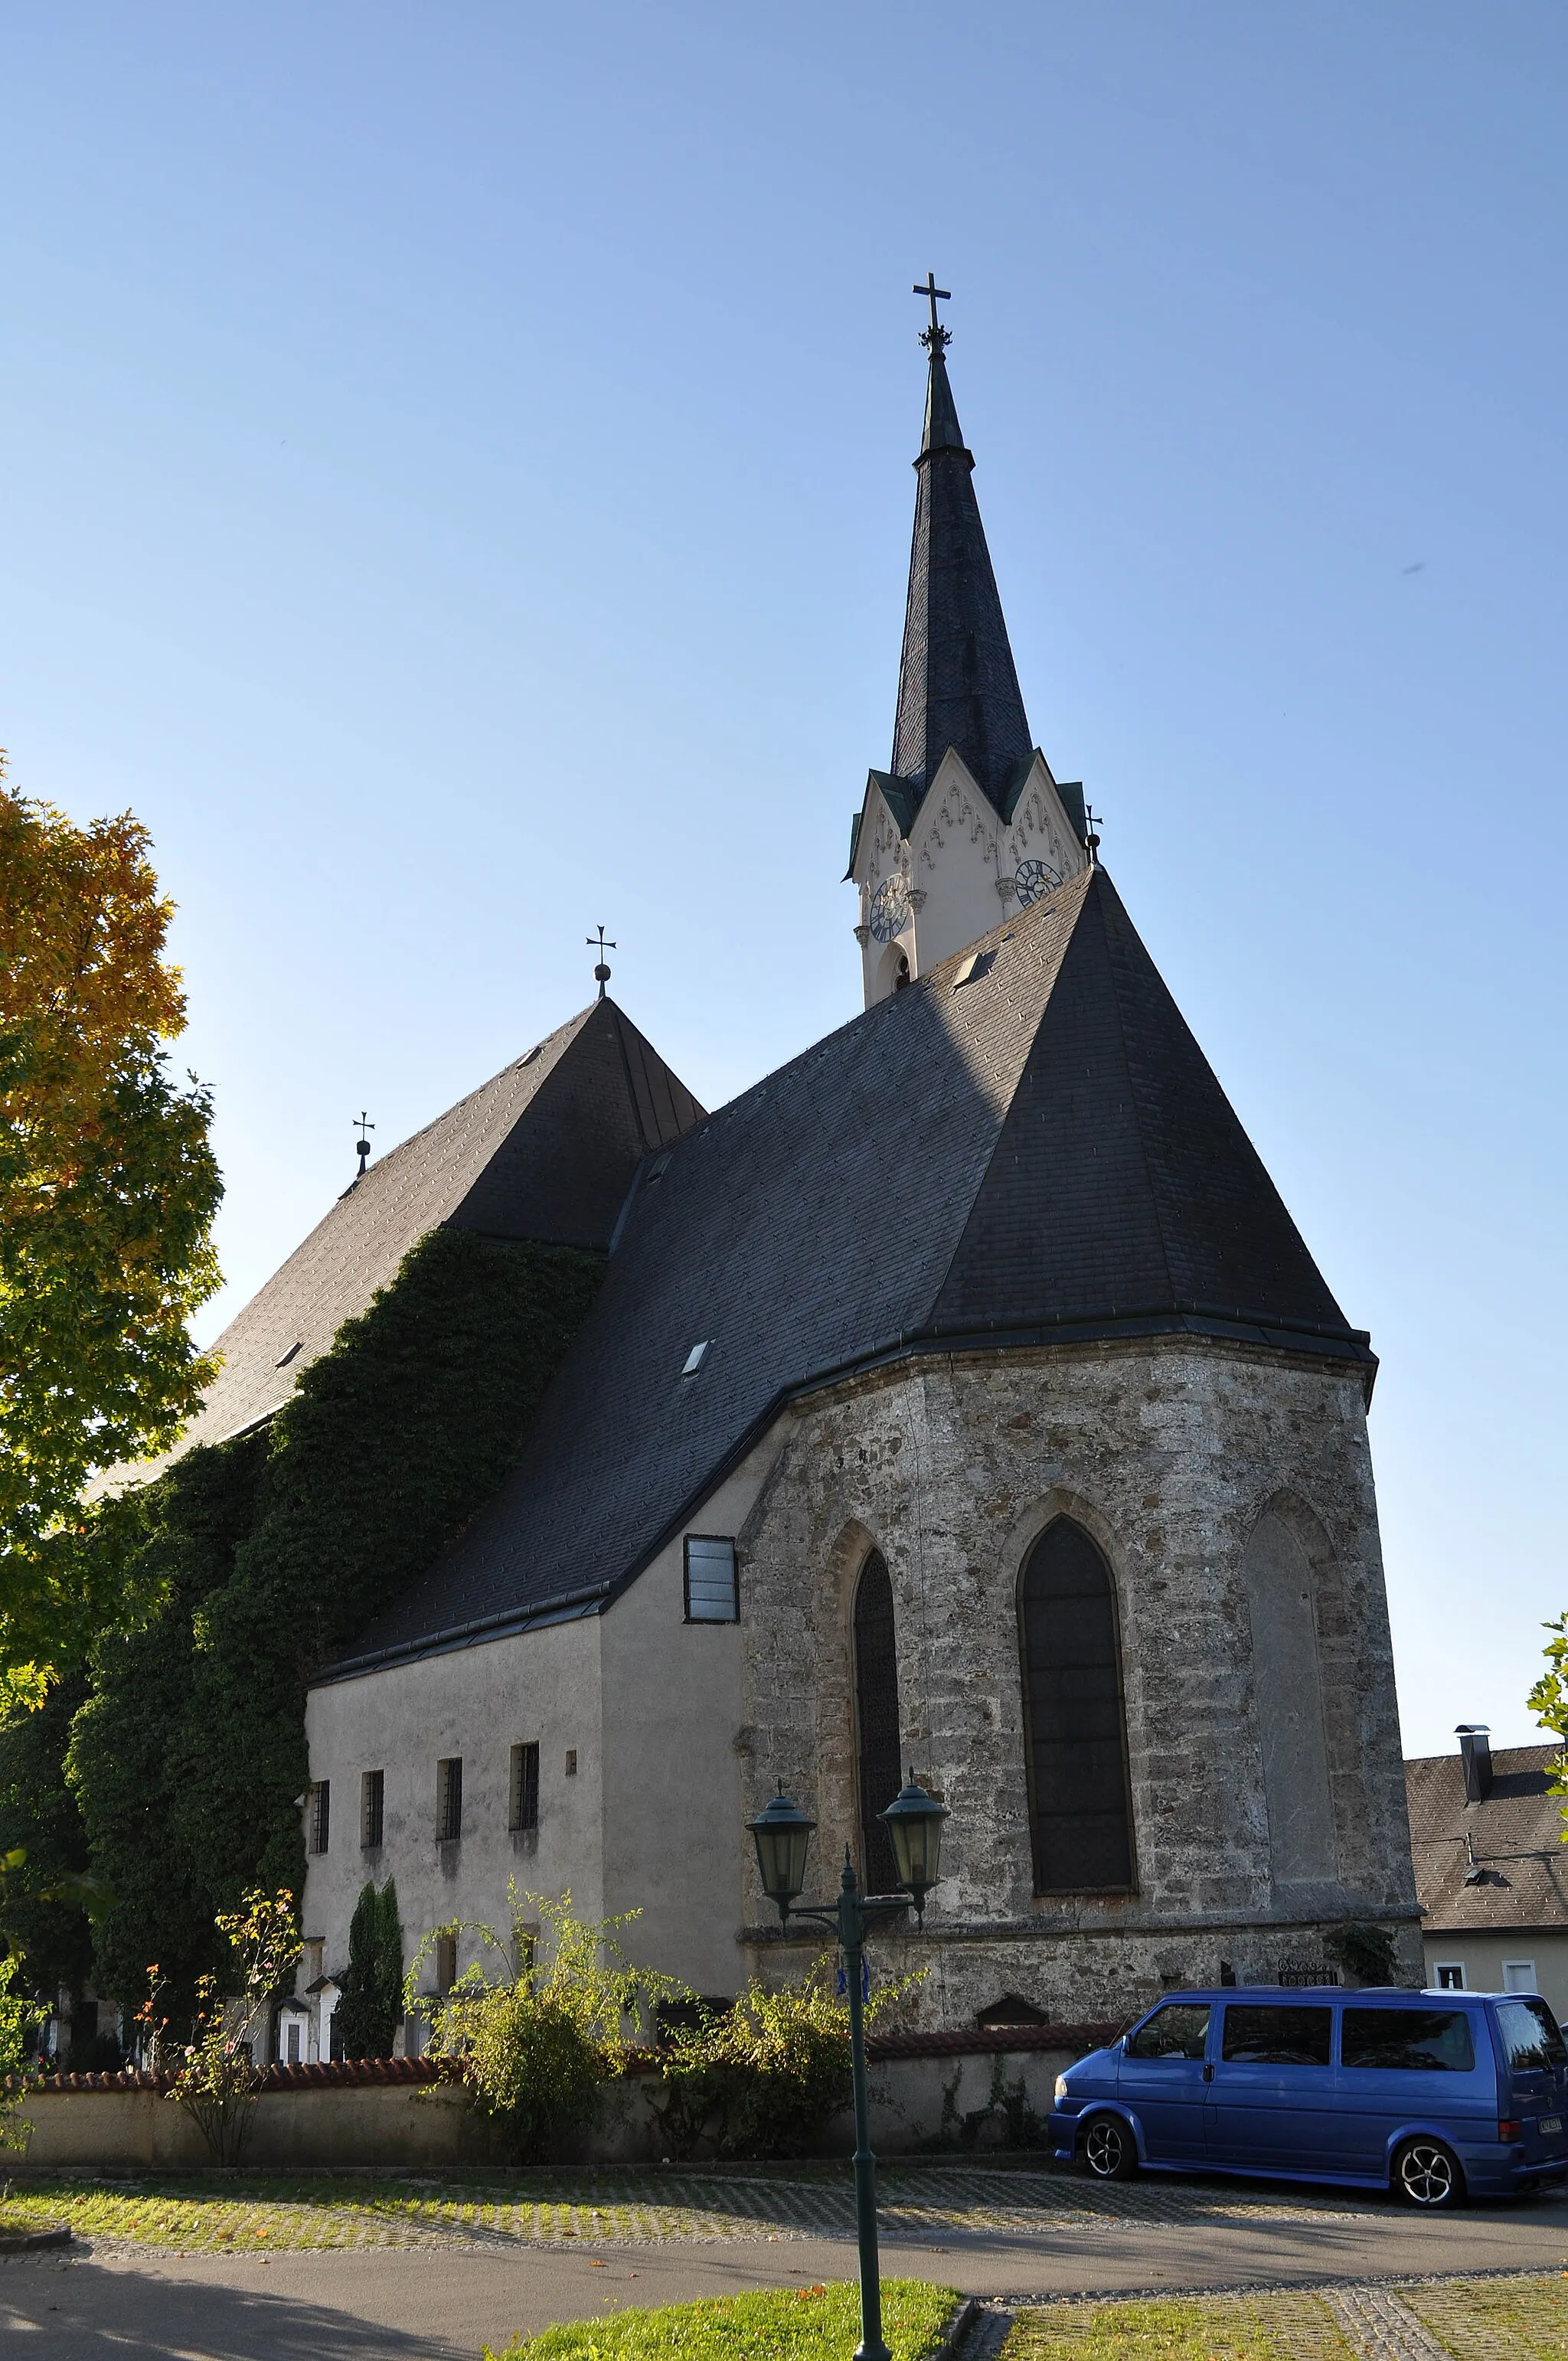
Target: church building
pixel 962 1396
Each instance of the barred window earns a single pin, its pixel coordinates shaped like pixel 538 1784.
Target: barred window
pixel 372 1804
pixel 320 1815
pixel 449 1799
pixel 876 1719
pixel 1072 1709
pixel 524 1805
pixel 713 1590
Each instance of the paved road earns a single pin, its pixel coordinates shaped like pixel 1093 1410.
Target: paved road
pixel 443 2302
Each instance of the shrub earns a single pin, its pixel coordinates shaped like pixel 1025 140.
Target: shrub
pixel 537 2046
pixel 215 2078
pixel 371 2008
pixel 767 2077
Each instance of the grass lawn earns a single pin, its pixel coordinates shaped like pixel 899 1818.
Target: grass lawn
pixel 816 2323
pixel 1479 2318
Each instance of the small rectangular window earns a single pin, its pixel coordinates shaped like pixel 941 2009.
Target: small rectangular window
pixel 372 1804
pixel 524 1806
pixel 713 1589
pixel 320 1815
pixel 449 1799
pixel 1518 1975
pixel 571 1761
pixel 446 1962
pixel 1448 1975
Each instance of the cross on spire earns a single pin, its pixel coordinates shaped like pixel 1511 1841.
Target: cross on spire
pixel 601 972
pixel 363 1126
pixel 936 335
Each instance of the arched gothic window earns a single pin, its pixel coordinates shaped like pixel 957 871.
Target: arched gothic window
pixel 876 1719
pixel 1075 1730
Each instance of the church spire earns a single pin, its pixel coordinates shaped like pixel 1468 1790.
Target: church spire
pixel 956 685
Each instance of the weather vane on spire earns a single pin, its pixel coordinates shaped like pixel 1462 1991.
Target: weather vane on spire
pixel 601 972
pixel 936 335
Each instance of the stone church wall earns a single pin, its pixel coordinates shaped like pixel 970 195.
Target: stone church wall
pixel 1230 1493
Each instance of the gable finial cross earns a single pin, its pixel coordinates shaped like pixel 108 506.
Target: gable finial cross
pixel 601 972
pixel 364 1126
pixel 936 335
pixel 1094 822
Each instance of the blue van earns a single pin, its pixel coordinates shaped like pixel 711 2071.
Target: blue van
pixel 1433 2093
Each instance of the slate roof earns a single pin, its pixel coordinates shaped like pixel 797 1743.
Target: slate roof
pixel 546 1150
pixel 1516 1833
pixel 958 685
pixel 1041 1153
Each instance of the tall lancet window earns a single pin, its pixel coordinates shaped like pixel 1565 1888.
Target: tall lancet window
pixel 876 1719
pixel 1076 1734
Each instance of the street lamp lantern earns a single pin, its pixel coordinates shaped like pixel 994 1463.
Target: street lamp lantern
pixel 780 1835
pixel 914 1821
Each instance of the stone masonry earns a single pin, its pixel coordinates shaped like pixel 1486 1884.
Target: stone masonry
pixel 1177 1454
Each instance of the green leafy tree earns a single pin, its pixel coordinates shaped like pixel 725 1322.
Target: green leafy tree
pixel 371 2008
pixel 38 1820
pixel 537 2045
pixel 1549 1703
pixel 109 1186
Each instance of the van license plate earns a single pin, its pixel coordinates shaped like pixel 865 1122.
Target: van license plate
pixel 1550 2123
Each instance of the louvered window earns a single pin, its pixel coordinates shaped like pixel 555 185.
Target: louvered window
pixel 713 1590
pixel 449 1799
pixel 1075 1732
pixel 876 1719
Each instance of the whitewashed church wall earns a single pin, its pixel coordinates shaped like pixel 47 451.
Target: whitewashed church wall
pixel 675 1800
pixel 1170 1453
pixel 477 1703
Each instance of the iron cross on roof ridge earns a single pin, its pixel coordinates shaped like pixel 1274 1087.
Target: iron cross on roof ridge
pixel 362 1144
pixel 601 972
pixel 936 335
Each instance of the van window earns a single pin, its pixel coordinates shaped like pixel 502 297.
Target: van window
pixel 1263 2036
pixel 1408 2040
pixel 1179 2030
pixel 1529 2034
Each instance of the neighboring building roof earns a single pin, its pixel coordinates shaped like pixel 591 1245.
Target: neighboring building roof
pixel 1515 1834
pixel 958 685
pixel 1039 1154
pixel 545 1150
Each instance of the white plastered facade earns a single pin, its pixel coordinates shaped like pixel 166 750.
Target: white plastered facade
pixel 958 868
pixel 648 1706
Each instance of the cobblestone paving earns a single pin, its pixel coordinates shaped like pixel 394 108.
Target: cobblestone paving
pixel 1512 2319
pixel 189 2215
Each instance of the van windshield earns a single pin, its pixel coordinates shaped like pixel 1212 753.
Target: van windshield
pixel 1531 2038
pixel 1408 2040
pixel 1181 2030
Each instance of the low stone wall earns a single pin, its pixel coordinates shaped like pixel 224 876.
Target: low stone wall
pixel 973 2089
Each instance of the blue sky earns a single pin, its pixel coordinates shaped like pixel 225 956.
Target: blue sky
pixel 457 489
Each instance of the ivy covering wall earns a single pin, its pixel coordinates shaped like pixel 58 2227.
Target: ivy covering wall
pixel 272 1551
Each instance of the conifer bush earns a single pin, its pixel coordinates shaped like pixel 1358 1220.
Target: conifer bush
pixel 371 2008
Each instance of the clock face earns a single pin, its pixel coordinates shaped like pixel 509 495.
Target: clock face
pixel 1034 880
pixel 891 909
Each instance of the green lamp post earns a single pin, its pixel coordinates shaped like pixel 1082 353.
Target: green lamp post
pixel 781 1834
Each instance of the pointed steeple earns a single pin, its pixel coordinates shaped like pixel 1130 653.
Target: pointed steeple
pixel 956 685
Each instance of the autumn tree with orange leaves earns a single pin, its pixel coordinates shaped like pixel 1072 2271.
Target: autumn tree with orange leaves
pixel 109 1186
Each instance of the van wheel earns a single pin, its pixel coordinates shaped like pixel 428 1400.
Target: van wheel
pixel 1108 2148
pixel 1427 2174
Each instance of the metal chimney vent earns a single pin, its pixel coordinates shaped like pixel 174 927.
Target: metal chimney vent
pixel 1476 1748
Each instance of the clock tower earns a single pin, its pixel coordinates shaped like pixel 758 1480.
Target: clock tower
pixel 966 825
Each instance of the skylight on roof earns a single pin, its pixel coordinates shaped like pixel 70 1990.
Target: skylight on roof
pixel 977 964
pixel 696 1358
pixel 290 1354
